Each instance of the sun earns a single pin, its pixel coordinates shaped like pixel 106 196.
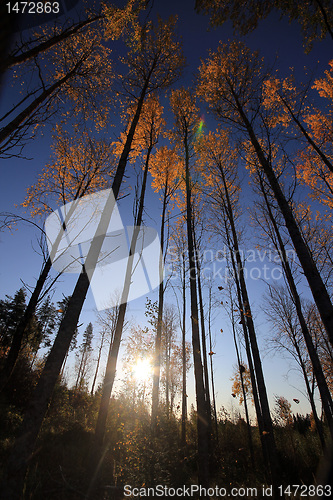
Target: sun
pixel 142 370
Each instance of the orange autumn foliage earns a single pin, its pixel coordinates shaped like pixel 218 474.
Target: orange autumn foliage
pixel 165 168
pixel 311 170
pixel 80 166
pixel 292 108
pixel 148 130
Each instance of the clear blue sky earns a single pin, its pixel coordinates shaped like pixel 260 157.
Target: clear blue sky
pixel 279 42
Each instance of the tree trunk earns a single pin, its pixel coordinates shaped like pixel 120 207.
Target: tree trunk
pixel 77 383
pixel 266 416
pixel 6 131
pixel 184 395
pixel 251 367
pixel 62 371
pixel 157 354
pixel 110 372
pixel 319 426
pixel 267 433
pixel 314 146
pixel 114 346
pixel 317 368
pixel 203 339
pixel 167 376
pixel 317 286
pixel 325 17
pixel 249 433
pixel 19 332
pixel 202 417
pixel 98 362
pixel 211 365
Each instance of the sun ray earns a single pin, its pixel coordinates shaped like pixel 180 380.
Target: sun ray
pixel 142 370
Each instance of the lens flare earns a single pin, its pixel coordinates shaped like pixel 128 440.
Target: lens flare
pixel 199 130
pixel 142 370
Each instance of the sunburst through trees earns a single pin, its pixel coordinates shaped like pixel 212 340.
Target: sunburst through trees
pixel 229 163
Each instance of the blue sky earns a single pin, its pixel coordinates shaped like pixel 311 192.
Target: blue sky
pixel 281 44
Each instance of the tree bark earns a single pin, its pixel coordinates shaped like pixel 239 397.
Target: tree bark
pixel 251 366
pixel 114 346
pixel 167 376
pixel 266 416
pixel 318 424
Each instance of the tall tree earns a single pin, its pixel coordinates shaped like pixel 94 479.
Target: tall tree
pixel 114 21
pixel 107 320
pixel 179 264
pixel 230 82
pixel 211 353
pixel 271 228
pixel 295 107
pixel 149 130
pixel 165 166
pixel 321 342
pixel 219 163
pixel 47 317
pixel 202 319
pixel 83 357
pixel 80 166
pixel 11 311
pixel 61 311
pixel 186 117
pixel 242 380
pixel 171 358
